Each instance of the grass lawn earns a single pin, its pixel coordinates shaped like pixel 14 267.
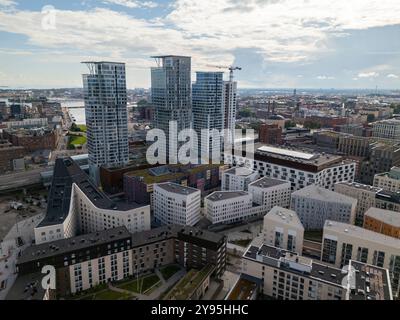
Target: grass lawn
pixel 242 242
pixel 82 127
pixel 111 295
pixel 169 271
pixel 75 140
pixel 141 285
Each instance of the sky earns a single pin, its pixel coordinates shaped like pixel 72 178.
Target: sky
pixel 278 43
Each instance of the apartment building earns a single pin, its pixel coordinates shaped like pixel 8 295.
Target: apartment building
pixel 106 116
pixel 365 195
pixel 76 206
pixel 237 179
pixel 343 242
pixel 269 193
pixel 296 166
pixel 383 221
pixel 112 255
pixel 387 129
pixel 388 200
pixel 389 180
pixel 283 229
pixel 285 275
pixel 314 205
pixel 176 204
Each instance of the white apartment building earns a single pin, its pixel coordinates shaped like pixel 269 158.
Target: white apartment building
pixel 285 275
pixel 387 129
pixel 282 228
pixel 269 193
pixel 176 204
pixel 76 206
pixel 228 206
pixel 364 194
pixel 237 179
pixel 299 168
pixel 344 242
pixel 314 205
pixel 106 116
pixel 389 180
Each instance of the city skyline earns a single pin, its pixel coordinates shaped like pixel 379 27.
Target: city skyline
pixel 279 44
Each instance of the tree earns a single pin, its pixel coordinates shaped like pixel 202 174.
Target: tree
pixel 290 124
pixel 370 118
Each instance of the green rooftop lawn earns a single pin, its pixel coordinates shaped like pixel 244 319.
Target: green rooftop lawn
pixel 140 285
pixel 169 271
pixel 112 295
pixel 313 235
pixel 188 284
pixel 75 140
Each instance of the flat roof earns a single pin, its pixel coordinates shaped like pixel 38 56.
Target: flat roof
pixel 240 171
pixel 224 195
pixel 266 182
pixel 360 233
pixel 386 216
pixel 177 188
pixel 372 283
pixel 284 215
pixel 318 193
pixel 287 152
pixel 63 246
pixel 388 196
pixel 243 290
pixel 102 62
pixel 360 186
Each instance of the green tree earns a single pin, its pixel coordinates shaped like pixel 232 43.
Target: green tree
pixel 290 124
pixel 370 118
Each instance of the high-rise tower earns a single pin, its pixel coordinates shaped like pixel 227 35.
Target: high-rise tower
pixel 171 95
pixel 106 116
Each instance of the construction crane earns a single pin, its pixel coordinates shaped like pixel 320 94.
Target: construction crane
pixel 230 68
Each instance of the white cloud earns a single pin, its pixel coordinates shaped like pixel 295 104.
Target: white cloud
pixel 7 3
pixel 393 76
pixel 371 74
pixel 325 77
pixel 132 3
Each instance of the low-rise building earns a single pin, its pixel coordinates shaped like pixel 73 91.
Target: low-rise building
pixel 237 179
pixel 88 260
pixel 269 193
pixel 383 221
pixel 8 153
pixel 389 180
pixel 76 206
pixel 282 228
pixel 343 242
pixel 314 205
pixel 365 195
pixel 387 129
pixel 176 204
pixel 285 275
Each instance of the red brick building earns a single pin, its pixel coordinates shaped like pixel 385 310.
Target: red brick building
pixel 270 134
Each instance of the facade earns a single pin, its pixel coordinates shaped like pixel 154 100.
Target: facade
pixel 268 193
pixel 230 109
pixel 33 139
pixel 365 195
pixel 8 153
pixel 285 275
pixel 382 157
pixel 228 206
pixel 314 205
pixel 383 221
pixel 283 229
pixel 115 254
pixel 389 180
pixel 388 200
pixel 270 134
pixel 106 116
pixel 387 129
pixel 237 179
pixel 171 98
pixel 343 242
pixel 176 204
pixel 299 168
pixel 208 112
pixel 77 206
pixel 139 184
